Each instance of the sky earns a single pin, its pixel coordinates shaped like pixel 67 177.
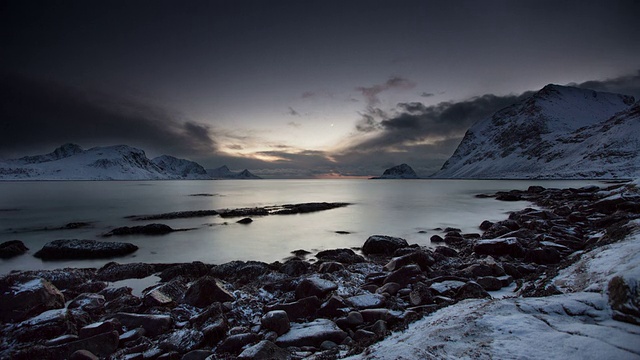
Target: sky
pixel 295 88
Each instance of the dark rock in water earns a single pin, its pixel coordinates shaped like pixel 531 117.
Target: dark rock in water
pixel 265 350
pixel 344 256
pixel 295 267
pixel 245 221
pixel 382 244
pixel 402 171
pixel 24 297
pixel 75 225
pixel 244 212
pixel 151 229
pixel 113 271
pixel 174 215
pixel 307 208
pixel 486 225
pixel 152 324
pixel 436 239
pixel 277 321
pixel 624 299
pixel 234 343
pixel 314 286
pixel 205 291
pixel 313 333
pixel 11 248
pixel 505 246
pixel 240 271
pixel 83 249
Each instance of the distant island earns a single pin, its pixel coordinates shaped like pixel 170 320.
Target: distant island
pixel 402 171
pixel 118 162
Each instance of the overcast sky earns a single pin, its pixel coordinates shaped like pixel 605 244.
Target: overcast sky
pixel 294 88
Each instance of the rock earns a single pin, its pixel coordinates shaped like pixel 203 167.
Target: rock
pixel 277 321
pixel 382 244
pixel 265 350
pixel 96 329
pixel 344 256
pixel 12 248
pixel 543 256
pixel 305 208
pixel 420 258
pixel 446 251
pixel 312 334
pixel 364 336
pixel 153 325
pixel 245 221
pixel 61 340
pixel 197 355
pixel 234 343
pixel 390 288
pixel 242 272
pixel 166 295
pixel 113 271
pixel 446 288
pixel 370 316
pixel 214 332
pixel 406 275
pixel 488 268
pixel 496 247
pixel 330 267
pixel 314 286
pixel 83 355
pixel 486 225
pixel 295 267
pixel 489 283
pixel 47 325
pixel 379 328
pixel 420 295
pixel 624 299
pixel 101 345
pixel 402 171
pixel 151 229
pixel 366 301
pixel 471 290
pixel 24 297
pixel 181 340
pixel 205 291
pixel 91 303
pixel 354 318
pixel 298 310
pixel 190 271
pixel 436 239
pixel 333 307
pixel 132 335
pixel 83 249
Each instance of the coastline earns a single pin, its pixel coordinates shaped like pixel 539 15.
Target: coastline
pixel 395 285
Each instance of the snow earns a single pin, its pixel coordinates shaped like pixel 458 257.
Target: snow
pixel 573 325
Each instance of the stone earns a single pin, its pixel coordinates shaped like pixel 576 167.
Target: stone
pixel 354 318
pixel 364 336
pixel 366 301
pixel 314 286
pixel 12 248
pixel 313 333
pixel 344 256
pixel 406 275
pixel 152 324
pixel 489 283
pixel 132 335
pixel 205 291
pixel 420 258
pixel 298 310
pixel 101 345
pixel 276 320
pixel 214 332
pixel 113 271
pixel 446 251
pixel 543 256
pixel 234 343
pixel 245 221
pixel 197 355
pixel 83 355
pixel 83 249
pixel 446 288
pixel 96 329
pixel 295 267
pixel 330 267
pixel 471 290
pixel 191 271
pixel 24 297
pixel 421 295
pixel 382 244
pixel 496 247
pixel 624 299
pixel 390 288
pixel 486 225
pixel 264 350
pixel 436 239
pixel 63 339
pixel 150 229
pixel 181 340
pixel 372 315
pixel 333 307
pixel 91 303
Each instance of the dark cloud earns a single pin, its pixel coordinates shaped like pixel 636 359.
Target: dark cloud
pixel 291 111
pixel 426 94
pixel 371 93
pixel 38 115
pixel 628 85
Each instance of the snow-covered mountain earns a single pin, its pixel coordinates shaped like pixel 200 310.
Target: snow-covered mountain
pixel 559 132
pixel 120 162
pixel 223 172
pixel 402 171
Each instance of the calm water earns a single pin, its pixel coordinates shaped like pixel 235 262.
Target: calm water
pixel 387 207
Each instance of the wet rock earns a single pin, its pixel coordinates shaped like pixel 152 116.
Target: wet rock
pixel 153 325
pixel 113 271
pixel 366 301
pixel 181 340
pixel 173 215
pixel 190 271
pixel 63 339
pixel 421 295
pixel 298 310
pixel 132 335
pixel 151 229
pixel 205 291
pixel 330 267
pixel 489 283
pixel 390 288
pixel 446 251
pixel 245 221
pixel 83 249
pixel 344 256
pixel 482 269
pixel 214 332
pixel 197 355
pixel 420 258
pixel 314 286
pixel 96 329
pixel 165 295
pixel 312 334
pixel 264 350
pixel 624 299
pixel 364 336
pixel 486 225
pixel 90 303
pixel 47 325
pixel 83 355
pixel 370 316
pixel 436 239
pixel 406 275
pixel 101 345
pixel 295 267
pixel 24 297
pixel 277 321
pixel 382 244
pixel 12 248
pixel 543 256
pixel 471 290
pixel 446 288
pixel 497 247
pixel 307 208
pixel 333 307
pixel 240 271
pixel 234 343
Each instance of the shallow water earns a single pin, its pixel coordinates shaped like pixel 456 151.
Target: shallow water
pixel 388 207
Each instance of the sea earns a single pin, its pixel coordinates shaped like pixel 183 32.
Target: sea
pixel 36 212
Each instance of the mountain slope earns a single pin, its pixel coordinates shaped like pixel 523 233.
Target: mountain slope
pixel 120 162
pixel 559 132
pixel 223 172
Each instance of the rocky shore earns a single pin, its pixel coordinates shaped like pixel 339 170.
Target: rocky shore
pixel 334 304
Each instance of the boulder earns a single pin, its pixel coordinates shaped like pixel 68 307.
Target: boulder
pixel 277 321
pixel 241 272
pixel 497 247
pixel 471 290
pixel 9 249
pixel 486 225
pixel 113 271
pixel 181 340
pixel 234 343
pixel 101 345
pixel 205 291
pixel 298 310
pixel 295 267
pixel 446 251
pixel 83 249
pixel 330 267
pixel 382 244
pixel 153 325
pixel 313 333
pixel 489 283
pixel 265 350
pixel 624 299
pixel 47 325
pixel 344 256
pixel 366 301
pixel 406 275
pixel 96 329
pixel 543 256
pixel 191 271
pixel 314 286
pixel 24 297
pixel 151 229
pixel 245 221
pixel 333 307
pixel 436 239
pixel 91 303
pixel 420 258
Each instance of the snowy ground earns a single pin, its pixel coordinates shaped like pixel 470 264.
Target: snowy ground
pixel 575 325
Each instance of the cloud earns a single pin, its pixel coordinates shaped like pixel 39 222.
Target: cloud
pixel 291 111
pixel 308 95
pixel 39 115
pixel 371 93
pixel 294 124
pixel 426 94
pixel 628 85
